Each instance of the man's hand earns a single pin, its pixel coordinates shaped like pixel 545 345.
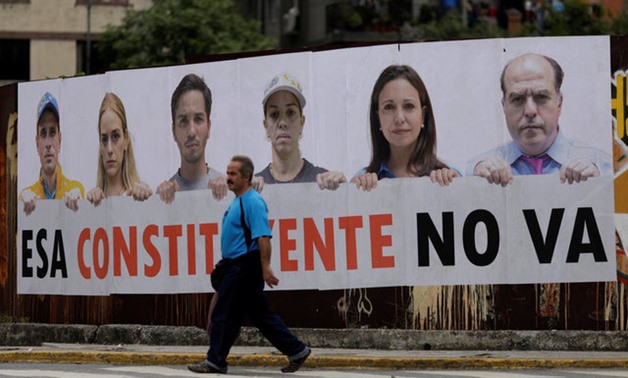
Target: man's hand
pixel 269 277
pixel 495 169
pixel 95 196
pixel 29 198
pixel 576 171
pixel 166 190
pixel 140 191
pixel 330 180
pixel 366 181
pixel 219 187
pixel 257 183
pixel 263 243
pixel 71 199
pixel 443 176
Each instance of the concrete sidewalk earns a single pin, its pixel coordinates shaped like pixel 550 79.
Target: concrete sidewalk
pixel 344 348
pixel 320 358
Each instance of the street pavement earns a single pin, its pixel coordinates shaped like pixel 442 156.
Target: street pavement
pixel 57 370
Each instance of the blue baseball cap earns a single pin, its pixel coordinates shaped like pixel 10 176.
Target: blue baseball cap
pixel 48 102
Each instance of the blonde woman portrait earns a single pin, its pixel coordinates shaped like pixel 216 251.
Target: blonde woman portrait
pixel 117 173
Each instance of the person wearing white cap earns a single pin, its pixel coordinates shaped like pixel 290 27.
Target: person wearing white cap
pixel 284 121
pixel 52 184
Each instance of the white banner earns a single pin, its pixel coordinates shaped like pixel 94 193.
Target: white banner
pixel 406 232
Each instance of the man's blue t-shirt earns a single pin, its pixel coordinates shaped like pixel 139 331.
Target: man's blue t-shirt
pixel 232 240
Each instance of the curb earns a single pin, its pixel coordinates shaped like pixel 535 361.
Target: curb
pixel 329 362
pixel 340 348
pixel 98 357
pixel 25 334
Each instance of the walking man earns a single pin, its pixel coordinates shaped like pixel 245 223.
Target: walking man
pixel 246 250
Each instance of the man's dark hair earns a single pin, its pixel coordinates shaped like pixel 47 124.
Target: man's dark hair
pixel 246 166
pixel 191 82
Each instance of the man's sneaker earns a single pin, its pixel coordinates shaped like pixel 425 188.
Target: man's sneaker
pixel 296 363
pixel 207 368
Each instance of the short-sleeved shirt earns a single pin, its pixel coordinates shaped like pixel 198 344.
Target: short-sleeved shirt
pixel 232 240
pixel 63 186
pixel 307 174
pixel 561 151
pixel 197 184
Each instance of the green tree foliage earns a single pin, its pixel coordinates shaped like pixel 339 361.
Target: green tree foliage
pixel 578 18
pixel 450 26
pixel 620 24
pixel 343 15
pixel 399 11
pixel 172 30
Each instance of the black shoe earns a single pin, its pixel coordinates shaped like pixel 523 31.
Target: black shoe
pixel 207 368
pixel 296 364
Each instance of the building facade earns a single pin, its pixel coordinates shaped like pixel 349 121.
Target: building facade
pixel 49 38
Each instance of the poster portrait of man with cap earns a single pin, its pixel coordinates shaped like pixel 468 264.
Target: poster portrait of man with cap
pixel 52 184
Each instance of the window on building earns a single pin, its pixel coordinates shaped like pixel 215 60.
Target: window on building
pixel 15 59
pixel 292 18
pixel 272 12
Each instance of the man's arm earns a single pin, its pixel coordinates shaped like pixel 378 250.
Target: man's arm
pixel 265 252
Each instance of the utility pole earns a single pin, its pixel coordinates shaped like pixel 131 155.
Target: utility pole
pixel 88 57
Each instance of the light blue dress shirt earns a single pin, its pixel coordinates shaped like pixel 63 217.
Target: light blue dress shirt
pixel 562 151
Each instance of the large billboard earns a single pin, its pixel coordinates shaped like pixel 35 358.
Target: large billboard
pixel 410 231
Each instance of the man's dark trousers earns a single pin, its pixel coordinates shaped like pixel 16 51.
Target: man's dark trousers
pixel 241 294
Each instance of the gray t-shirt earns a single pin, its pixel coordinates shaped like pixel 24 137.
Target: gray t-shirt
pixel 198 184
pixel 307 174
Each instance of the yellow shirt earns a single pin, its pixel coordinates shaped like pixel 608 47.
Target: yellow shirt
pixel 63 186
